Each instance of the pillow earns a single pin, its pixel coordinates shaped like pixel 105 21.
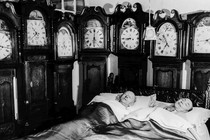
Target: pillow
pixel 198 116
pixel 110 96
pixel 162 104
pixel 143 102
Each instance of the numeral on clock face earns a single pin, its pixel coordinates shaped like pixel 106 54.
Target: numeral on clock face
pixel 5 45
pixel 166 43
pixel 130 38
pixel 36 32
pixel 94 38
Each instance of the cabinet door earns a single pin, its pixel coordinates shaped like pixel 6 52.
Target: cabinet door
pixel 166 75
pixel 200 75
pixel 36 91
pixel 64 105
pixel 7 115
pixel 132 72
pixel 94 79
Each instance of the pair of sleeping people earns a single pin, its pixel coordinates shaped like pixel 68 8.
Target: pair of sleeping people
pixel 182 105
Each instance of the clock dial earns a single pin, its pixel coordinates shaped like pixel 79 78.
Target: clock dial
pixel 36 33
pixel 5 45
pixel 64 43
pixel 166 43
pixel 130 38
pixel 202 36
pixel 94 38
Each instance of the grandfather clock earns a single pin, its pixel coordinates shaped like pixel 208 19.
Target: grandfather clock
pixel 198 52
pixel 128 22
pixel 167 50
pixel 37 56
pixel 9 40
pixel 93 37
pixel 65 47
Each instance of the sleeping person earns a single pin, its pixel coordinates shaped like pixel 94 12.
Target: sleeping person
pixel 101 111
pixel 119 103
pixel 127 98
pixel 182 105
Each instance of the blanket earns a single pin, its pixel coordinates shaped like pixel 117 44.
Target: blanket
pixel 118 109
pixel 97 122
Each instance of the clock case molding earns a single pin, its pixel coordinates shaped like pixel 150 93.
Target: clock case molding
pixel 192 20
pixel 89 13
pixel 46 11
pixel 173 17
pixel 93 61
pixel 8 70
pixel 12 20
pixel 62 98
pixel 166 70
pixel 200 65
pixel 121 13
pixel 65 20
pixel 132 63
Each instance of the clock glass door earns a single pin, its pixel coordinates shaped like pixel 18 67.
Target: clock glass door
pixel 129 35
pixel 93 35
pixel 166 43
pixel 202 36
pixel 5 41
pixel 36 30
pixel 64 43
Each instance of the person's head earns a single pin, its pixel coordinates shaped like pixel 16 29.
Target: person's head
pixel 183 105
pixel 127 99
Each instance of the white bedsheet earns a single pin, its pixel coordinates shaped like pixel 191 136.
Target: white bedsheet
pixel 166 119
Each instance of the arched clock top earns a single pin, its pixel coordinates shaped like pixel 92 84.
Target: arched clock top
pixel 170 36
pixel 134 11
pixel 170 16
pixel 93 13
pixel 93 30
pixel 195 18
pixel 199 32
pixel 7 11
pixel 43 7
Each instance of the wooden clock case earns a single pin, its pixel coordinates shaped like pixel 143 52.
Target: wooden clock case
pixel 200 66
pixel 167 69
pixel 64 108
pixel 132 63
pixel 93 61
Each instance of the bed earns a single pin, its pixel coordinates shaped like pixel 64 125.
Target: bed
pixel 106 119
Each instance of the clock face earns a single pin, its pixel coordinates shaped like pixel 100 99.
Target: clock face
pixel 166 43
pixel 5 45
pixel 202 36
pixel 130 38
pixel 64 43
pixel 94 38
pixel 36 33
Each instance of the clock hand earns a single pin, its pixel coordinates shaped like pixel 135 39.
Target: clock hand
pixel 204 40
pixel 94 38
pixel 165 41
pixel 5 47
pixel 35 31
pixel 164 48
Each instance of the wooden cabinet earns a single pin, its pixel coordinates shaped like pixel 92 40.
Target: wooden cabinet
pixel 64 108
pixel 93 49
pixel 200 75
pixel 166 75
pixel 94 77
pixel 132 72
pixel 37 100
pixel 7 113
